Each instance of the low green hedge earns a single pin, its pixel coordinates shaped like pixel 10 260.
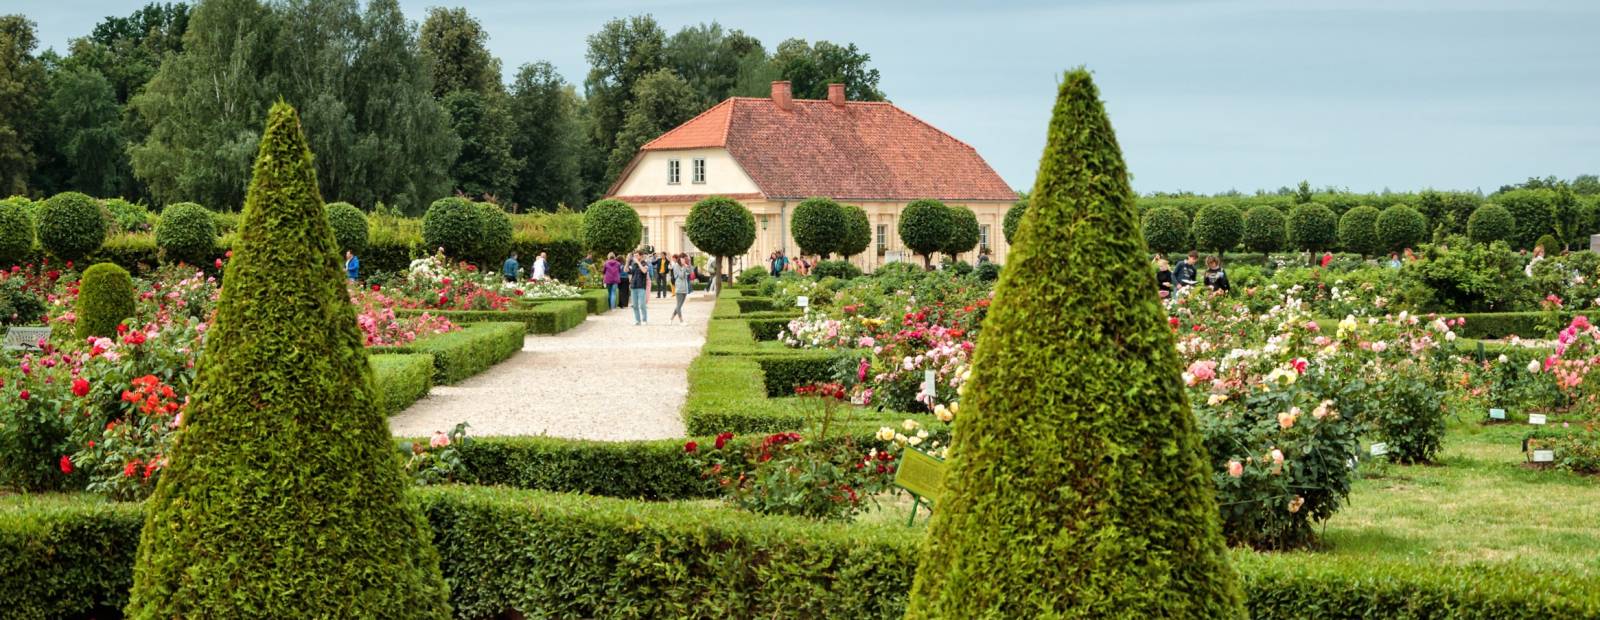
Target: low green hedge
pixel 755 304
pixel 768 329
pixel 781 373
pixel 1504 324
pixel 597 299
pixel 542 317
pixel 727 394
pixel 402 379
pixel 654 470
pixel 461 354
pixel 561 555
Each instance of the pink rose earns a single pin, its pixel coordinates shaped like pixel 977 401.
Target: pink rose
pixel 1235 469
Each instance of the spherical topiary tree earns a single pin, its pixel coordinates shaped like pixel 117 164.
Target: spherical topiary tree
pixel 71 225
pixel 1549 243
pixel 349 227
pixel 1401 227
pixel 841 269
pixel 187 234
pixel 1264 230
pixel 495 244
pixel 454 224
pixel 1217 228
pixel 1490 223
pixel 1165 229
pixel 722 227
pixel 1014 218
pixel 1312 227
pixel 859 235
pixel 1358 231
pixel 311 515
pixel 105 298
pixel 964 232
pixel 1076 470
pixel 925 227
pixel 16 232
pixel 819 226
pixel 611 226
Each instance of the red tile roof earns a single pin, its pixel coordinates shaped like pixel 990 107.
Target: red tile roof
pixel 861 151
pixel 683 198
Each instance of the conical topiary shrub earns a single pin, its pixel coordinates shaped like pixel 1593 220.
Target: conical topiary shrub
pixel 1076 486
pixel 283 497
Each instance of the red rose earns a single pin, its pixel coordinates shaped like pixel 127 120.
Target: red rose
pixel 66 465
pixel 219 263
pixel 374 287
pixel 1173 321
pixel 80 387
pixel 25 395
pixel 135 338
pixel 690 447
pixel 130 469
pixel 122 329
pixel 229 254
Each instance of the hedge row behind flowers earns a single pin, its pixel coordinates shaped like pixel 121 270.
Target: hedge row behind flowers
pixel 461 354
pixel 561 555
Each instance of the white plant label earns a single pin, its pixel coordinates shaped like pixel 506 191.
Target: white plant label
pixel 1544 456
pixel 1497 414
pixel 1379 449
pixel 1536 418
pixel 802 301
pixel 930 382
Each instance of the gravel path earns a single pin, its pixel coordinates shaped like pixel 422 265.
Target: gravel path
pixel 605 379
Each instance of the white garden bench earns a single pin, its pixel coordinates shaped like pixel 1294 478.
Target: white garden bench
pixel 25 338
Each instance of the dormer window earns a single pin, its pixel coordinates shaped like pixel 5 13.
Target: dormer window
pixel 672 172
pixel 699 170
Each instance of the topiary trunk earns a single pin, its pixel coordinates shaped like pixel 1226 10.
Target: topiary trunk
pixel 283 497
pixel 1076 486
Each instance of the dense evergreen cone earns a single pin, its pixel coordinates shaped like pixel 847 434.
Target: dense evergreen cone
pixel 283 497
pixel 1076 486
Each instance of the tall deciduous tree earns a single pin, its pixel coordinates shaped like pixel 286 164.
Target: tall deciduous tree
pixel 708 58
pixel 549 139
pixel 22 89
pixel 85 132
pixel 622 54
pixel 458 45
pixel 466 79
pixel 811 68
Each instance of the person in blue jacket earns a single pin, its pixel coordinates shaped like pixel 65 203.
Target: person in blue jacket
pixel 352 265
pixel 510 268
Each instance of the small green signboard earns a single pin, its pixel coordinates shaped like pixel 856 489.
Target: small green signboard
pixel 923 476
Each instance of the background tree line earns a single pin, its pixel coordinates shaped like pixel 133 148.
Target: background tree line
pixel 166 105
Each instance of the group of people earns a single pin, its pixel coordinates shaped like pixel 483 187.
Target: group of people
pixel 777 263
pixel 512 269
pixel 1170 280
pixel 643 273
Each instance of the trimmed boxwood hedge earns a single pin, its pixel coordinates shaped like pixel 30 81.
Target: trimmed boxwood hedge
pixel 105 300
pixel 544 317
pixel 461 354
pixel 781 373
pixel 187 234
pixel 755 304
pixel 402 379
pixel 566 555
pixel 768 328
pixel 71 225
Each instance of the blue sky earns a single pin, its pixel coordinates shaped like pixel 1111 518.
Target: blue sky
pixel 1205 95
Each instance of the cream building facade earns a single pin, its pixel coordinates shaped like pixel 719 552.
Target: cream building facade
pixel 770 154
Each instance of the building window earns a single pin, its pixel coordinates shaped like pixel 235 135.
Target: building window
pixel 672 172
pixel 644 237
pixel 983 236
pixel 699 170
pixel 883 236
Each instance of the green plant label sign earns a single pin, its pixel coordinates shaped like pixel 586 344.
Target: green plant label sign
pixel 921 474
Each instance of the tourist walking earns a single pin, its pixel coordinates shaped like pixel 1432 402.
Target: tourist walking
pixel 681 273
pixel 639 281
pixel 1216 278
pixel 611 275
pixel 1185 274
pixel 1163 277
pixel 658 274
pixel 510 268
pixel 540 269
pixel 1538 255
pixel 352 265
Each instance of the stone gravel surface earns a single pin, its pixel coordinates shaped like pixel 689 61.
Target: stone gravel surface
pixel 605 380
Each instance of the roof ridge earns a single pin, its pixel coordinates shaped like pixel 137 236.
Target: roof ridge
pixel 931 126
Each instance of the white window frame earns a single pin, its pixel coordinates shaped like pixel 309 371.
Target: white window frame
pixel 673 171
pixel 983 236
pixel 644 237
pixel 883 236
pixel 698 170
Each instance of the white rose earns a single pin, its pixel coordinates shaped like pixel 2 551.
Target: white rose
pixel 1502 358
pixel 885 434
pixel 914 441
pixel 1533 366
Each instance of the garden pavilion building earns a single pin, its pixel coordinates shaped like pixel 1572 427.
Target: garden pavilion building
pixel 770 154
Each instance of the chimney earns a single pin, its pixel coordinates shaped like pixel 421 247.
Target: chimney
pixel 836 94
pixel 780 95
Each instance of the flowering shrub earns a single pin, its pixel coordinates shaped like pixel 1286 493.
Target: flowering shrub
pixel 439 461
pixel 125 459
pixel 378 321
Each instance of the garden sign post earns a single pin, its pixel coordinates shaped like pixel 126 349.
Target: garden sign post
pixel 922 475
